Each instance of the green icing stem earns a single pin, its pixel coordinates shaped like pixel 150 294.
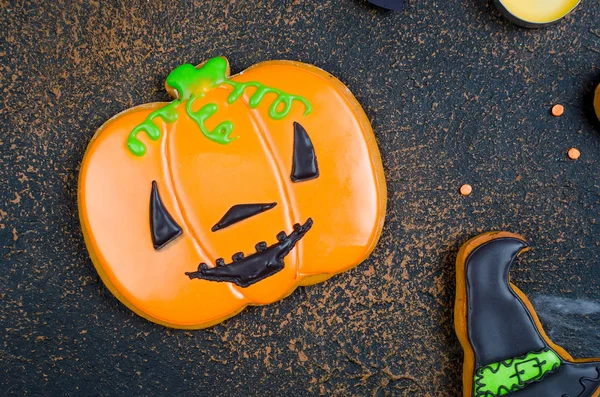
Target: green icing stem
pixel 508 376
pixel 191 84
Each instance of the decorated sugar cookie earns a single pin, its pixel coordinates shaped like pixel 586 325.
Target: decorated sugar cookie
pixel 235 193
pixel 506 349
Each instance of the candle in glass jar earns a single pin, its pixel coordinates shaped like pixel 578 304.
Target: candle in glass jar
pixel 535 13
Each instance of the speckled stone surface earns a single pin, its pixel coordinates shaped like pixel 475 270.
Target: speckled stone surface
pixel 455 94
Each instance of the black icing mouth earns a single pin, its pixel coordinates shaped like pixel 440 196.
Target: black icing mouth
pixel 265 262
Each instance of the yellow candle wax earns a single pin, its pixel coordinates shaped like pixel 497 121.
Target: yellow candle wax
pixel 539 11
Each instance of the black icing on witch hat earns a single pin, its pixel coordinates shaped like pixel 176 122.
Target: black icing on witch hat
pixel 389 4
pixel 506 350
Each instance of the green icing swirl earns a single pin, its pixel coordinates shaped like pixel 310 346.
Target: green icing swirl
pixel 259 95
pixel 167 113
pixel 221 133
pixel 191 84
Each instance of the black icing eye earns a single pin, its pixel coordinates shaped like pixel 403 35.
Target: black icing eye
pixel 304 165
pixel 163 227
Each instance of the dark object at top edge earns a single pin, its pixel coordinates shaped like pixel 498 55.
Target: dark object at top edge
pixel 389 4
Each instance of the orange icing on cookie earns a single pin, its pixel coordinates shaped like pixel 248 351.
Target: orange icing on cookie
pixel 242 163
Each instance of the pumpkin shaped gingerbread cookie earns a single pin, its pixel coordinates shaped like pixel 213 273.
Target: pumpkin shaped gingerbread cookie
pixel 235 193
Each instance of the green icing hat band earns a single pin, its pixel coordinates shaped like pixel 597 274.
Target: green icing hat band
pixel 505 377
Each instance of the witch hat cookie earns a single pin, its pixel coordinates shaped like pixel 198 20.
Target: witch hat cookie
pixel 506 350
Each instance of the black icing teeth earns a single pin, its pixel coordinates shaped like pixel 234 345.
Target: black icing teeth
pixel 238 256
pixel 247 270
pixel 260 247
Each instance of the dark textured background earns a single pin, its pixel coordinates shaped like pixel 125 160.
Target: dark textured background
pixel 455 93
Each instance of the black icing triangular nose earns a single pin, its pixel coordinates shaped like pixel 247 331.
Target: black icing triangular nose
pixel 239 212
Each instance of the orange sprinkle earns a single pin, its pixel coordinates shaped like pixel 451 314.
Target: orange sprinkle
pixel 573 153
pixel 558 110
pixel 466 190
